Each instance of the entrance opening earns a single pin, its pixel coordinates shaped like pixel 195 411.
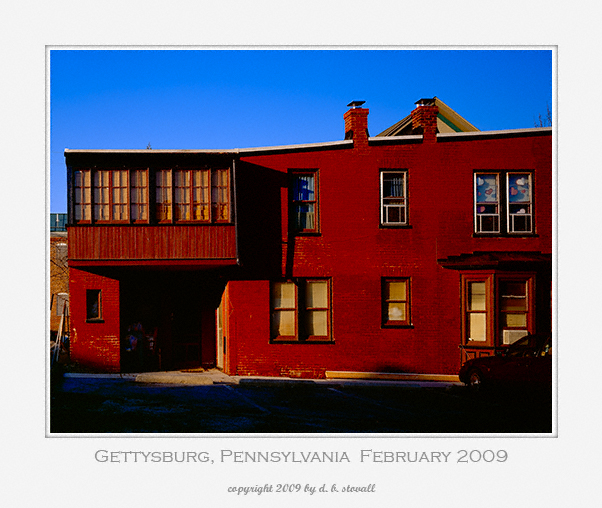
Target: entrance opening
pixel 168 320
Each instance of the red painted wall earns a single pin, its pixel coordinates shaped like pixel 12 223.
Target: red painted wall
pixel 356 252
pixel 94 344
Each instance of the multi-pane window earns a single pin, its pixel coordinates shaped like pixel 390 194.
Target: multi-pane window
pixel 139 195
pixel 195 200
pixel 163 195
pixel 393 198
pixel 497 308
pixel 83 196
pixel 284 309
pixel 301 310
pixel 111 195
pixel 503 203
pixel 183 192
pixel 180 195
pixel 514 309
pixel 476 311
pixel 304 206
pixel 519 203
pixel 396 302
pixel 220 194
pixel 487 204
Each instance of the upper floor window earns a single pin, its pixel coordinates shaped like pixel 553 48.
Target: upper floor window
pixel 139 195
pixel 503 203
pixel 393 198
pixel 82 196
pixel 111 195
pixel 124 196
pixel 163 195
pixel 304 202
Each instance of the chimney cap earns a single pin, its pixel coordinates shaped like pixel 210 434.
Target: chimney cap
pixel 355 104
pixel 426 102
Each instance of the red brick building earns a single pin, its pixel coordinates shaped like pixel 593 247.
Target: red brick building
pixel 403 252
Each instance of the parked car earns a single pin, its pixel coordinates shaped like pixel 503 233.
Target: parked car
pixel 525 363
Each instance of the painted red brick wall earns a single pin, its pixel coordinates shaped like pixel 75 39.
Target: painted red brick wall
pixel 94 344
pixel 355 252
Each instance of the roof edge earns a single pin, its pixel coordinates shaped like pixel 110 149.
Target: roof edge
pixel 233 151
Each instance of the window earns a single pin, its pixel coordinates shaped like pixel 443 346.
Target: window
pixel 519 203
pixel 93 305
pixel 396 302
pixel 301 311
pixel 61 304
pixel 163 195
pixel 83 196
pixel 498 308
pixel 111 195
pixel 476 310
pixel 503 203
pixel 60 257
pixel 304 206
pixel 200 195
pixel 284 309
pixel 220 195
pixel 514 309
pixel 393 201
pixel 139 195
pixel 124 196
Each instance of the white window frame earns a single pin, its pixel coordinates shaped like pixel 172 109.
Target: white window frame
pixel 385 206
pixel 480 216
pixel 504 220
pixel 528 205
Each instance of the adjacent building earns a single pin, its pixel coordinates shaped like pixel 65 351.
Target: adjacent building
pixel 409 251
pixel 59 274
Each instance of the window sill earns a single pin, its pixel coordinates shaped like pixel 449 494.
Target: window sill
pixel 311 340
pixel 395 226
pixel 95 320
pixel 392 325
pixel 505 235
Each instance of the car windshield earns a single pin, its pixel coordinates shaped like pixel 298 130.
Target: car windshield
pixel 523 347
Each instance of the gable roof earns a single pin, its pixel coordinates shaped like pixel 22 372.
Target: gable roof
pixel 447 121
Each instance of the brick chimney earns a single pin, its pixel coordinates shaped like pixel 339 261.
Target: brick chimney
pixel 424 120
pixel 356 124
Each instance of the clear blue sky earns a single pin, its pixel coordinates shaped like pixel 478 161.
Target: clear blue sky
pixel 203 99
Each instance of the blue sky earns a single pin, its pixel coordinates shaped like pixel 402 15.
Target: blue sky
pixel 204 99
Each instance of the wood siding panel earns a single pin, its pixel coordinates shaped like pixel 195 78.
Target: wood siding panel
pixel 152 242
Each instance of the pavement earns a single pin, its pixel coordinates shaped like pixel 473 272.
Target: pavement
pixel 336 378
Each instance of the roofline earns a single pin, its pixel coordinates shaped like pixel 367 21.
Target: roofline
pixel 463 135
pixel 234 151
pixel 318 146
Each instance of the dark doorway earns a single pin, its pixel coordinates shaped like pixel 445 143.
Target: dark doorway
pixel 176 311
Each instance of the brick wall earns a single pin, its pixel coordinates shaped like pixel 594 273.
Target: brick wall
pixel 356 253
pixel 95 343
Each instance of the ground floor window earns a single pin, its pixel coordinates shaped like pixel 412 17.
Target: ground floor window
pixel 300 310
pixel 396 302
pixel 93 305
pixel 498 308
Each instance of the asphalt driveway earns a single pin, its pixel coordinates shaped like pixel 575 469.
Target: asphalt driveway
pixel 114 405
